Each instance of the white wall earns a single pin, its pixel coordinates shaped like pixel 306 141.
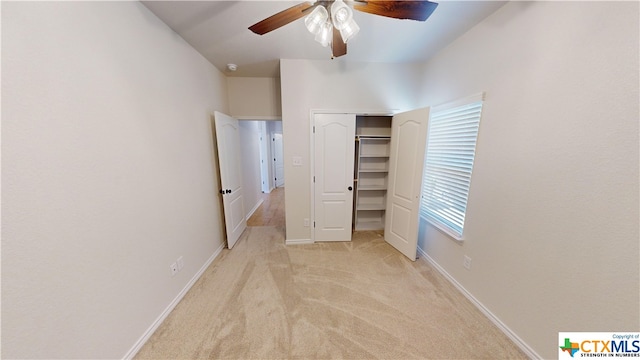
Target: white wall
pixel 254 98
pixel 552 221
pixel 250 159
pixel 107 175
pixel 331 85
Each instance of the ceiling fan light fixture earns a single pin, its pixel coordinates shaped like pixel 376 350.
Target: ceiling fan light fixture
pixel 316 19
pixel 349 31
pixel 324 35
pixel 341 14
pixel 326 18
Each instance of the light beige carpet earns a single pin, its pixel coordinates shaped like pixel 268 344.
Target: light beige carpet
pixel 357 300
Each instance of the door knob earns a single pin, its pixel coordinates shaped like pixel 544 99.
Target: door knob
pixel 222 191
pixel 350 188
pixel 228 191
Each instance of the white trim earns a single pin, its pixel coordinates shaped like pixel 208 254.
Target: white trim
pixel 494 319
pixel 154 326
pixel 298 241
pixel 258 117
pixel 254 209
pixel 357 112
pixel 443 228
pixel 312 164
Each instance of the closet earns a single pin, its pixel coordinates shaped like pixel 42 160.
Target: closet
pixel 367 175
pixel 371 165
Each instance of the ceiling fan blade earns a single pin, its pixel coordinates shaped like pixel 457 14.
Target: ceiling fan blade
pixel 413 10
pixel 282 18
pixel 338 47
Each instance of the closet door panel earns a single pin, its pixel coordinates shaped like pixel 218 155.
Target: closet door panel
pixel 408 140
pixel 333 172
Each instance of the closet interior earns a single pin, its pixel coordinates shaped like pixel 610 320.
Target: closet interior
pixel 371 171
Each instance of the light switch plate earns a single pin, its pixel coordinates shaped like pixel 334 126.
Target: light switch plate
pixel 297 161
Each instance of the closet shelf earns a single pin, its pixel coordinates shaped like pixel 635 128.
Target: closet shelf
pixel 373 171
pixel 370 225
pixel 372 187
pixel 370 207
pixel 374 156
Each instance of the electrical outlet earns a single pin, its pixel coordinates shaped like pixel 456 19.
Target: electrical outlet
pixel 306 222
pixel 174 269
pixel 180 263
pixel 467 262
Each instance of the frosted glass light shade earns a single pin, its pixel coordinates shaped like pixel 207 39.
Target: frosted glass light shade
pixel 349 31
pixel 341 14
pixel 325 34
pixel 314 21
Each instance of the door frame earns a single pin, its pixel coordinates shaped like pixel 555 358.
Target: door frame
pixel 312 155
pixel 264 120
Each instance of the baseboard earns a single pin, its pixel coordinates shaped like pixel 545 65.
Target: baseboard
pixel 147 334
pixel 494 319
pixel 254 209
pixel 298 241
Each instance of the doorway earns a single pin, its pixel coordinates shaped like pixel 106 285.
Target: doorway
pixel 271 211
pixel 261 142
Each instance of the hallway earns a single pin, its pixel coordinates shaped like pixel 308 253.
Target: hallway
pixel 271 211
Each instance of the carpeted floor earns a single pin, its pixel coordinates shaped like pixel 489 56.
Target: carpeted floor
pixel 357 300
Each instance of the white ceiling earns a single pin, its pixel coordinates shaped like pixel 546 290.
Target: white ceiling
pixel 218 30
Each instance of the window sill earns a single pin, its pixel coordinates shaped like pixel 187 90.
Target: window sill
pixel 444 229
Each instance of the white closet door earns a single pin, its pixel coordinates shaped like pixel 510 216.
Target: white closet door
pixel 408 139
pixel 228 139
pixel 333 170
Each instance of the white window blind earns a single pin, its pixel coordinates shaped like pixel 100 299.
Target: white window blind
pixel 451 145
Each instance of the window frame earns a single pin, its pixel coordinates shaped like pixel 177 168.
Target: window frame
pixel 427 212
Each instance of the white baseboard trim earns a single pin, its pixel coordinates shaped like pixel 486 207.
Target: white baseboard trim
pixel 494 319
pixel 254 209
pixel 147 334
pixel 298 241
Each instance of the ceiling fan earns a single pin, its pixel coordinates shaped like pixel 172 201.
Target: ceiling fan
pixel 331 21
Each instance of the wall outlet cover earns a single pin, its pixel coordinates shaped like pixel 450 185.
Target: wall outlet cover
pixel 467 262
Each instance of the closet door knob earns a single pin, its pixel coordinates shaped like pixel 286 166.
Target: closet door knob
pixel 350 188
pixel 228 191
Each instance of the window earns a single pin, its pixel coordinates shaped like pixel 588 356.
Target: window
pixel 451 146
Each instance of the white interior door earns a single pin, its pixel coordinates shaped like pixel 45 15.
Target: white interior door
pixel 278 160
pixel 228 139
pixel 264 159
pixel 333 173
pixel 408 139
